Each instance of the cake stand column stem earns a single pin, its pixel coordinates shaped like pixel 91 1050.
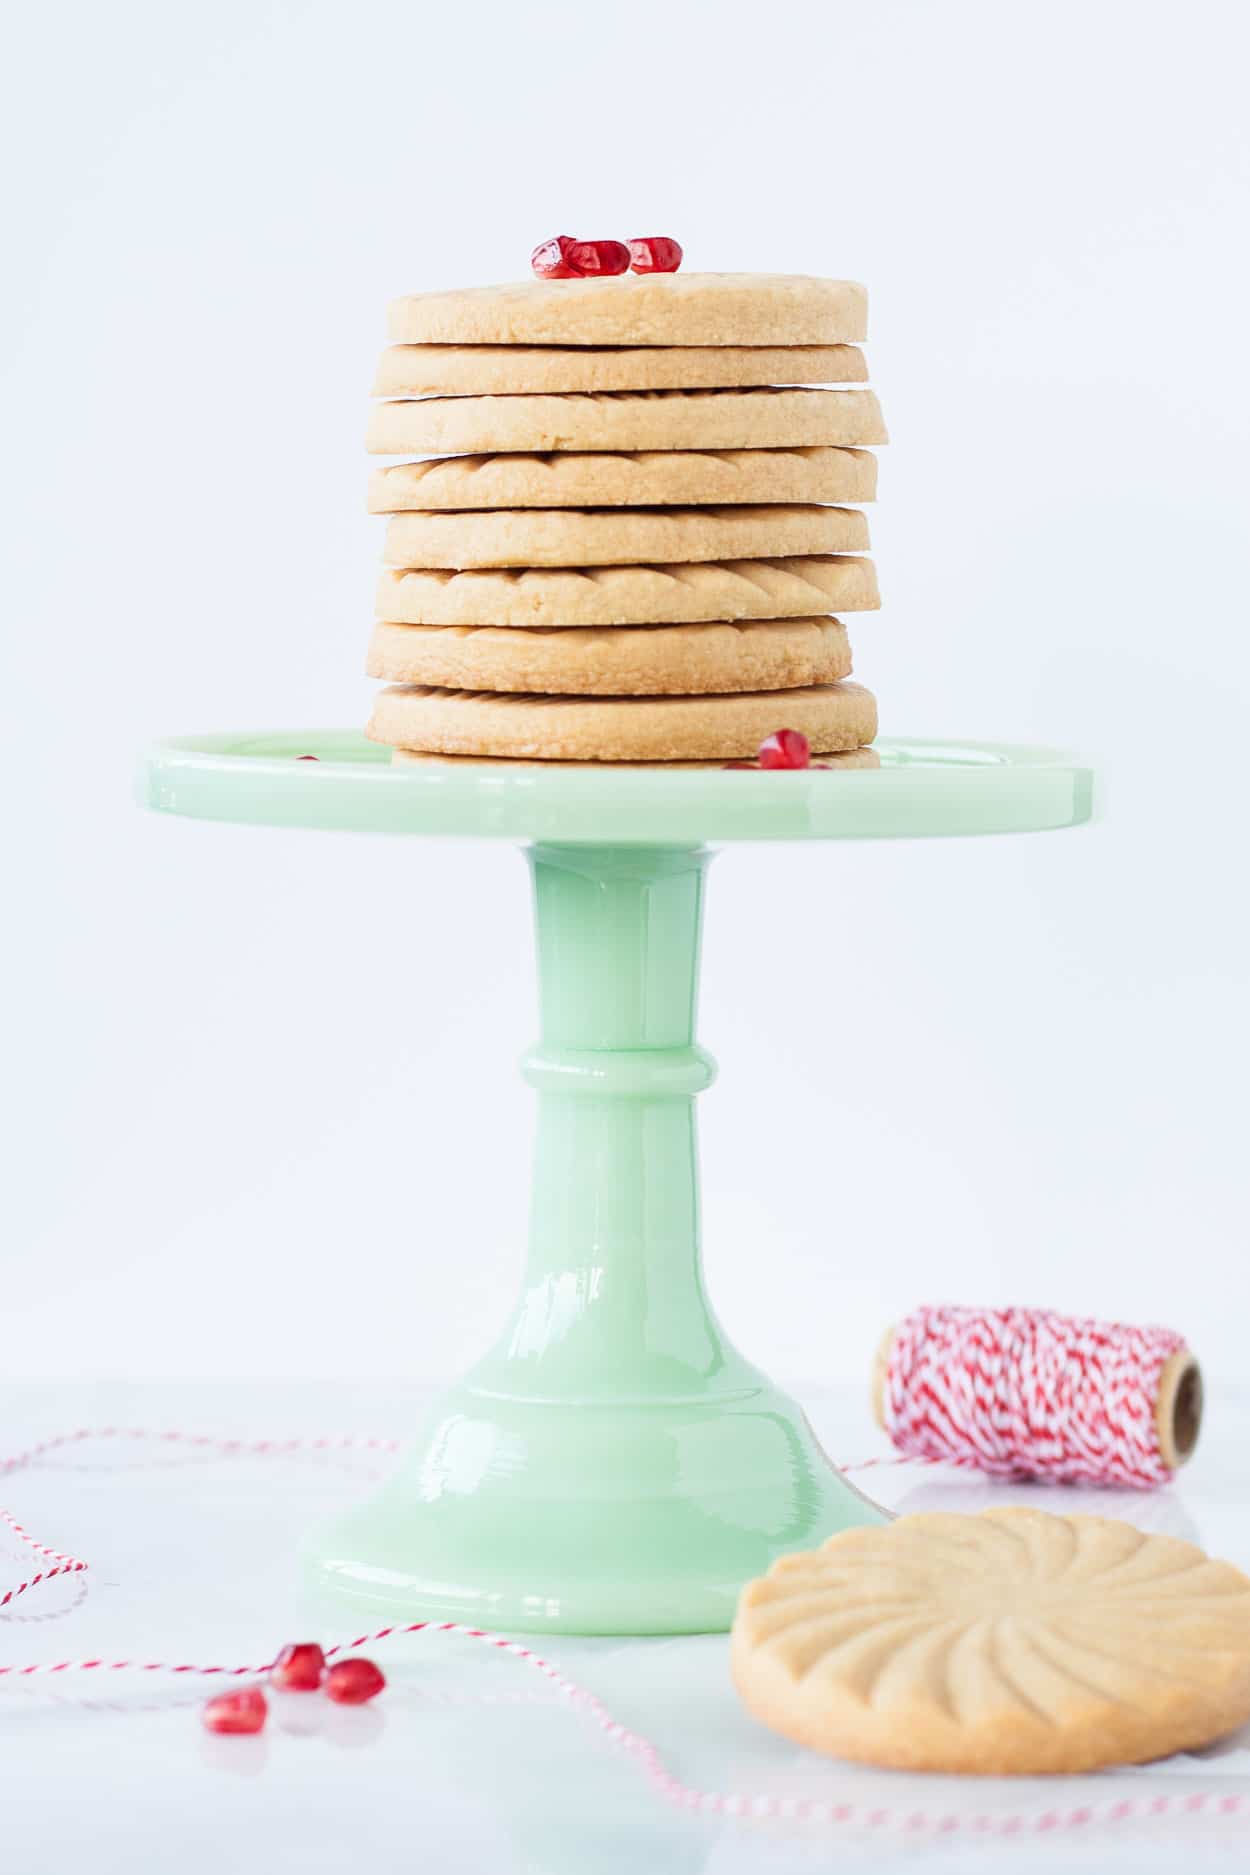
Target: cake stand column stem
pixel 613 1304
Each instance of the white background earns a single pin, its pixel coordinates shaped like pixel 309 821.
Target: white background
pixel 264 1115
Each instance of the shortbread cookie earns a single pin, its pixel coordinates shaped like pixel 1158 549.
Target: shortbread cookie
pixel 1012 1641
pixel 629 595
pixel 620 729
pixel 629 479
pixel 774 418
pixel 420 758
pixel 639 309
pixel 582 537
pixel 599 660
pixel 480 370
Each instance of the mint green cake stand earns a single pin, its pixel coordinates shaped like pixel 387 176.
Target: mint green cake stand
pixel 613 1465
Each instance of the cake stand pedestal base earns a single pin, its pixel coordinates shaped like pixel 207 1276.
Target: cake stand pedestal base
pixel 642 1518
pixel 614 1465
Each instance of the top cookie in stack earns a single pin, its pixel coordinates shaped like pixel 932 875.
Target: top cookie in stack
pixel 631 521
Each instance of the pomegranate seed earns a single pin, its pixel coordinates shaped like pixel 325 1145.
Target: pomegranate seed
pixel 550 259
pixel 308 758
pixel 655 253
pixel 298 1668
pixel 788 748
pixel 598 257
pixel 351 1682
pixel 243 1711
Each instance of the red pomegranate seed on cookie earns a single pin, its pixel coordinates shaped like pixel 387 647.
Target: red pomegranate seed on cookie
pixel 550 259
pixel 239 1712
pixel 351 1682
pixel 655 253
pixel 592 258
pixel 298 1668
pixel 788 748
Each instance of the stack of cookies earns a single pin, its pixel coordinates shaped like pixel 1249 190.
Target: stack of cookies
pixel 630 520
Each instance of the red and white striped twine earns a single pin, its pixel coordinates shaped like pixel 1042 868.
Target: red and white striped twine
pixel 62 1565
pixel 1025 1393
pixel 646 1754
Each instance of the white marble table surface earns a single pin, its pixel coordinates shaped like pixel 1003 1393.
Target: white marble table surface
pixel 470 1761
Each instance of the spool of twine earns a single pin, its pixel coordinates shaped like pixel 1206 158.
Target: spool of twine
pixel 1026 1393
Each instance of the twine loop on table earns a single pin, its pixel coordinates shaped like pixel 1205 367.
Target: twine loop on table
pixel 1026 1393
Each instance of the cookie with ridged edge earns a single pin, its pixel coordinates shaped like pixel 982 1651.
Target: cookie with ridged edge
pixel 1012 1642
pixel 639 309
pixel 404 758
pixel 624 661
pixel 763 418
pixel 671 593
pixel 584 537
pixel 626 479
pixel 479 370
pixel 620 729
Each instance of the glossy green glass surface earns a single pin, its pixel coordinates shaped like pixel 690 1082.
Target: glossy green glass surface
pixel 613 1464
pixel 922 788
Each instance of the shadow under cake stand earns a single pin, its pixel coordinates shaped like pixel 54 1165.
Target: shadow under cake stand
pixel 614 1464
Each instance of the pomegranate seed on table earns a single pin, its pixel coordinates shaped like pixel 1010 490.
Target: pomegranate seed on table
pixel 592 258
pixel 550 259
pixel 655 253
pixel 299 1668
pixel 788 748
pixel 241 1712
pixel 352 1682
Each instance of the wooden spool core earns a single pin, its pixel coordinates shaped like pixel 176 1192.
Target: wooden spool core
pixel 880 1368
pixel 1178 1408
pixel 1178 1404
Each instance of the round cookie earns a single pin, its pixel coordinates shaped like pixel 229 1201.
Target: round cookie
pixel 620 729
pixel 479 370
pixel 403 758
pixel 770 418
pixel 639 309
pixel 600 660
pixel 1011 1642
pixel 587 537
pixel 628 595
pixel 627 479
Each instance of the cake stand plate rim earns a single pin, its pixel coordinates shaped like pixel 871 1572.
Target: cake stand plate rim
pixel 926 786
